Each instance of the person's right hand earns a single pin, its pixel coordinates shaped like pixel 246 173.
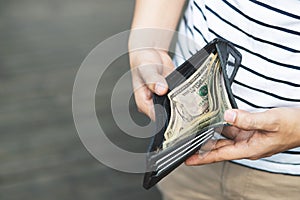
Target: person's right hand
pixel 149 68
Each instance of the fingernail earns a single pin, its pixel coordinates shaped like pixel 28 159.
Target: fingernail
pixel 160 88
pixel 230 116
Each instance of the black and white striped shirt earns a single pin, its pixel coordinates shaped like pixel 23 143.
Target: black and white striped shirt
pixel 267 33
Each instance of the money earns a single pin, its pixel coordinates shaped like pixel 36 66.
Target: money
pixel 198 102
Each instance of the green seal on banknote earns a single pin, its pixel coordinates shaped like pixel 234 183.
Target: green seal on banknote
pixel 203 91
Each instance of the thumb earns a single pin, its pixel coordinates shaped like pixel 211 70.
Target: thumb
pixel 249 121
pixel 151 75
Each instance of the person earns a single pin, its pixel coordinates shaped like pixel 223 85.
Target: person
pixel 260 159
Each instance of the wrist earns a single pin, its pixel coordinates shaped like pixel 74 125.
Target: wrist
pixel 150 38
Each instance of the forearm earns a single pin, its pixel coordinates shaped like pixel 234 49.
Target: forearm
pixel 154 23
pixel 157 14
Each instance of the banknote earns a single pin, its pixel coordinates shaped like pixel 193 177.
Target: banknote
pixel 198 102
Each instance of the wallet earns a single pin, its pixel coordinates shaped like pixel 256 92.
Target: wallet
pixel 160 162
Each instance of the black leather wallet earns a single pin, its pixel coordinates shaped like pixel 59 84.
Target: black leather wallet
pixel 160 162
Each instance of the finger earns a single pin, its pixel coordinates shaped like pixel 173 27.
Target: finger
pixel 230 131
pixel 228 152
pixel 168 64
pixel 222 142
pixel 143 99
pixel 252 121
pixel 147 109
pixel 214 144
pixel 209 145
pixel 151 66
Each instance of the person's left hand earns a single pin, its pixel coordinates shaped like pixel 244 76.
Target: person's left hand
pixel 254 135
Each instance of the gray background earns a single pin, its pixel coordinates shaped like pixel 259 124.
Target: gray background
pixel 42 44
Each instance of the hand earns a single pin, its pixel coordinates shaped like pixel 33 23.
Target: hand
pixel 149 68
pixel 254 135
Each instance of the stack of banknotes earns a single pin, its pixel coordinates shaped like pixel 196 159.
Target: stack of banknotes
pixel 198 102
pixel 187 116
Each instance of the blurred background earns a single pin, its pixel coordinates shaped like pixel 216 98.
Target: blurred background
pixel 42 44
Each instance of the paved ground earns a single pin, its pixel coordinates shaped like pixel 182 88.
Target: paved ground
pixel 42 44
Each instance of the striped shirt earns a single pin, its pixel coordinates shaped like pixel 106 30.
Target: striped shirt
pixel 267 34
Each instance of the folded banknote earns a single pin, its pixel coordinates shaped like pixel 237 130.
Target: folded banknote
pixel 186 117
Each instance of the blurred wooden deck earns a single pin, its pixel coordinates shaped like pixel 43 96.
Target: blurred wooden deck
pixel 42 44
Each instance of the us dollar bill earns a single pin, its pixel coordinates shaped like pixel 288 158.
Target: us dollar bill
pixel 198 102
pixel 188 101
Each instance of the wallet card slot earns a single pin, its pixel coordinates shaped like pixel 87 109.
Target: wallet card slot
pixel 181 147
pixel 185 152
